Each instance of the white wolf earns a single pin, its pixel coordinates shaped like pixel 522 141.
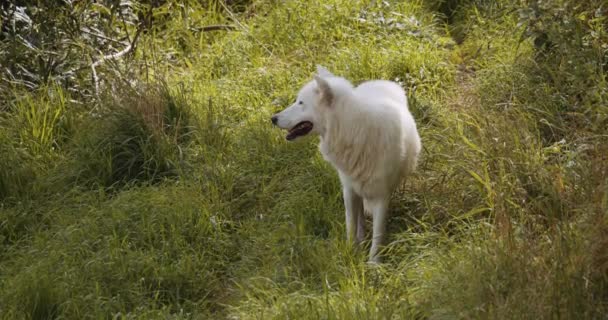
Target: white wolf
pixel 368 134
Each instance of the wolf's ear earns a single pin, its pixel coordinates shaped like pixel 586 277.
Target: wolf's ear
pixel 323 72
pixel 327 96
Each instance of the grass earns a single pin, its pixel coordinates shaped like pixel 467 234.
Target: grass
pixel 181 201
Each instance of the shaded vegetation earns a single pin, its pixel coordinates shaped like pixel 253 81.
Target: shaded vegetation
pixel 151 184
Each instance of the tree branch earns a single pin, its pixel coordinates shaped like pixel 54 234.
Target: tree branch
pixel 100 36
pixel 129 48
pixel 215 27
pixel 95 80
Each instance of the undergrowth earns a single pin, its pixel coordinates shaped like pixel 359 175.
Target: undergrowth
pixel 168 194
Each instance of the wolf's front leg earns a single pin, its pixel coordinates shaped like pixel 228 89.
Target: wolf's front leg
pixel 353 205
pixel 379 210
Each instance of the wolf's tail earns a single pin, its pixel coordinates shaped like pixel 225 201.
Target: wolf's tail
pixel 411 157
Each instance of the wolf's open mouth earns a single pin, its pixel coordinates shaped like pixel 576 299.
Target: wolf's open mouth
pixel 301 129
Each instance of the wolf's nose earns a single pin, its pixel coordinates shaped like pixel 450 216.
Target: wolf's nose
pixel 274 120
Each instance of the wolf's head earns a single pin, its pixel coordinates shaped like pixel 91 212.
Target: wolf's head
pixel 306 114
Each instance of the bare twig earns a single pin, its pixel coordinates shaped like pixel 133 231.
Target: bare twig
pixel 101 60
pixel 215 27
pixel 95 80
pixel 113 55
pixel 100 36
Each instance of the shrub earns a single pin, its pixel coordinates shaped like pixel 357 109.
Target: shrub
pixel 133 139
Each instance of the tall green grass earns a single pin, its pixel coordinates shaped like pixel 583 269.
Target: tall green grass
pixel 176 198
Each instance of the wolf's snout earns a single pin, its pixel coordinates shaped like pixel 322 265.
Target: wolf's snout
pixel 274 119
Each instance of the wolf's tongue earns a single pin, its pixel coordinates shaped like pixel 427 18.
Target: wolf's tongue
pixel 301 129
pixel 291 135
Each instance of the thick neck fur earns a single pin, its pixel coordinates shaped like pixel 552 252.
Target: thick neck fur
pixel 343 143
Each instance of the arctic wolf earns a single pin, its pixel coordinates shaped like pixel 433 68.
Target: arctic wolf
pixel 369 136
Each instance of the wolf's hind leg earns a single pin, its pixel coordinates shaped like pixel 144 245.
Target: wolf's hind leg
pixel 353 205
pixel 379 210
pixel 361 227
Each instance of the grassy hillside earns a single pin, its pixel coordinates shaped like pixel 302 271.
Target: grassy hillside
pixel 153 186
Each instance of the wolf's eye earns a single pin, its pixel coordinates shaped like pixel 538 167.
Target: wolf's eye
pixel 300 102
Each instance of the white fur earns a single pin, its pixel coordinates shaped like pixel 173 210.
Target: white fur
pixel 368 134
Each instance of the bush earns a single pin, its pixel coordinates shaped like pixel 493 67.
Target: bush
pixel 132 139
pixel 571 53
